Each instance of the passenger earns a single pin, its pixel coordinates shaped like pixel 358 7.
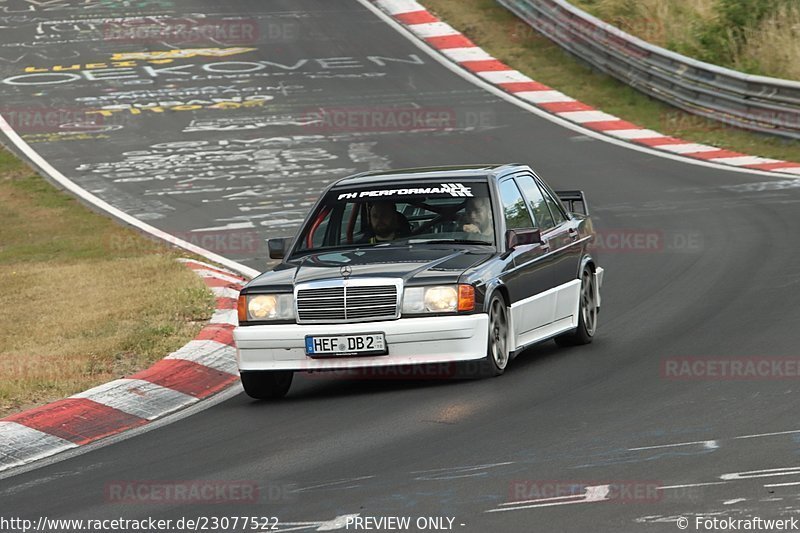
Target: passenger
pixel 478 218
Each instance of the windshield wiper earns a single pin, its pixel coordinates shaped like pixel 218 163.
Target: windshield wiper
pixel 454 241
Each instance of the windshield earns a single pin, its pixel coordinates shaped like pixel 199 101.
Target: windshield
pixel 401 213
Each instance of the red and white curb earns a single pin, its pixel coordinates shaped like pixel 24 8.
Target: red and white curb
pixel 463 52
pixel 201 368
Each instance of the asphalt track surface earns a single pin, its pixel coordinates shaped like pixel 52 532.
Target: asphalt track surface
pixel 720 282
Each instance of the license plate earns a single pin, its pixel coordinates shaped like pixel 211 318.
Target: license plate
pixel 342 345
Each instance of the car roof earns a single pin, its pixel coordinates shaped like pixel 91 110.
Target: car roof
pixel 460 172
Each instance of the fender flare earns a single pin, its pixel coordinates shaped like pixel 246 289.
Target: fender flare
pixel 585 260
pixel 492 287
pixel 597 272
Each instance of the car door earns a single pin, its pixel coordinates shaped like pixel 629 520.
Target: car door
pixel 528 276
pixel 562 238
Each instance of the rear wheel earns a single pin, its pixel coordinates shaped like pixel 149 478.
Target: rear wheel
pixel 497 349
pixel 587 313
pixel 267 384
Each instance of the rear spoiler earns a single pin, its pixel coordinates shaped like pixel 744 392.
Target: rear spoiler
pixel 574 201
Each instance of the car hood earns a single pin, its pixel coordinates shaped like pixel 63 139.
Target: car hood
pixel 414 264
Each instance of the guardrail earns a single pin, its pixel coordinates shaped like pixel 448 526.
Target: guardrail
pixel 759 103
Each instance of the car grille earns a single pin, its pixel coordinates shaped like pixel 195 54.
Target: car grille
pixel 346 303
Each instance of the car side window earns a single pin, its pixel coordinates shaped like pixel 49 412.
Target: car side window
pixel 536 202
pixel 352 226
pixel 514 209
pixel 314 237
pixel 555 209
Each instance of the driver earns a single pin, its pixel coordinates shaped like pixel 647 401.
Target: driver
pixel 386 223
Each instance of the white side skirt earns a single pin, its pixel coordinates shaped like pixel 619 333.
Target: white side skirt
pixel 546 314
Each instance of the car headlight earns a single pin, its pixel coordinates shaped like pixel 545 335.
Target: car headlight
pixel 438 299
pixel 265 307
pixel 441 299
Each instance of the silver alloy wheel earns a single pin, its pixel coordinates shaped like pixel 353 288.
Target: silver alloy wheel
pixel 498 333
pixel 588 302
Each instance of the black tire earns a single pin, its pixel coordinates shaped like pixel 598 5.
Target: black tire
pixel 497 353
pixel 587 313
pixel 267 384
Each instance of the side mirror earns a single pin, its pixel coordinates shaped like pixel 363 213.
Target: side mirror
pixel 520 237
pixel 574 201
pixel 277 248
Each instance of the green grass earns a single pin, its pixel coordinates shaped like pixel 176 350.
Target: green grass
pixel 754 36
pixel 84 300
pixel 509 39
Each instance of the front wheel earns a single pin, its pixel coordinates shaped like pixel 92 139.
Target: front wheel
pixel 497 348
pixel 587 313
pixel 267 384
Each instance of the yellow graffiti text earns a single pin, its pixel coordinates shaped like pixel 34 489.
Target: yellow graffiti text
pixel 181 107
pixel 180 54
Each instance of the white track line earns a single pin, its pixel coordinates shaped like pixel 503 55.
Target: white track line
pixel 711 444
pixel 759 435
pixel 783 484
pixel 690 485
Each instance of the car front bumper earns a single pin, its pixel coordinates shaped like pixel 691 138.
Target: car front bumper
pixel 410 341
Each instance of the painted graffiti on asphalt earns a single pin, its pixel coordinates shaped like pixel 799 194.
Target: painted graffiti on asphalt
pixel 249 123
pixel 120 97
pixel 125 67
pixel 233 102
pixel 59 136
pixel 271 181
pixel 187 162
pixel 38 6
